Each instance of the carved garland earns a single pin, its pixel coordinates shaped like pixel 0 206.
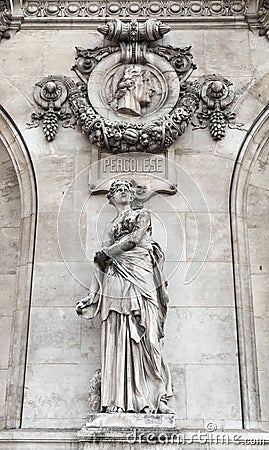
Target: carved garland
pixel 120 137
pixel 60 98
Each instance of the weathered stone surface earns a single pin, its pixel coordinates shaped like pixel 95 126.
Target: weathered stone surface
pixel 205 384
pixel 260 285
pixel 56 173
pixel 264 383
pixel 257 215
pixel 217 292
pixel 195 141
pixel 213 336
pixel 5 332
pixel 90 343
pixel 121 420
pixel 69 238
pixel 260 89
pixel 3 382
pixel 7 288
pixel 62 290
pixel 179 400
pixel 259 253
pixel 234 50
pixel 211 174
pixel 55 336
pixel 169 229
pixel 196 40
pixel 31 439
pixel 68 41
pixel 259 56
pixel 50 403
pixel 164 203
pixel 215 227
pixel 259 177
pixel 9 247
pixel 10 211
pixel 248 107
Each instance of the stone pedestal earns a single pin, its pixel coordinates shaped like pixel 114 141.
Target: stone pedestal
pixel 124 427
pixel 129 420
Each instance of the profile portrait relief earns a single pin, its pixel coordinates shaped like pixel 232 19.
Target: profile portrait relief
pixel 133 91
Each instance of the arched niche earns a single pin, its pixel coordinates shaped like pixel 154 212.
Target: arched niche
pixel 16 156
pixel 249 209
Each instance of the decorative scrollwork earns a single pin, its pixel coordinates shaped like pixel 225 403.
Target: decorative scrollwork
pixel 179 58
pixel 87 59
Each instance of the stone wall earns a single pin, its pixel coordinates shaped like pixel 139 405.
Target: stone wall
pixel 9 246
pixel 203 329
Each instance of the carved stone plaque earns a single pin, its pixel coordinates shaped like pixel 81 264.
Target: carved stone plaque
pixel 152 173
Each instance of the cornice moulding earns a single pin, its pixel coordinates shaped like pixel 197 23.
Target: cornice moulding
pixel 181 14
pixel 184 12
pixel 86 23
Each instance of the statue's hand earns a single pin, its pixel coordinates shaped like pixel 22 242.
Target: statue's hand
pixel 101 258
pixel 81 304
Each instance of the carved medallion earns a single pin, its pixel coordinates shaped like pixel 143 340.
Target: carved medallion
pixel 134 95
pixel 133 92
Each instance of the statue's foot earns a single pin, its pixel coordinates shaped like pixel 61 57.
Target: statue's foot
pixel 164 409
pixel 113 409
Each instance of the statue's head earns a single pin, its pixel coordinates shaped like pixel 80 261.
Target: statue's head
pixel 134 91
pixel 121 191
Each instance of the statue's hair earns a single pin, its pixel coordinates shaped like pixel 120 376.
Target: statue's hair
pixel 114 186
pixel 130 74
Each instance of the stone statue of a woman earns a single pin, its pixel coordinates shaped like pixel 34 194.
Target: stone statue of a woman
pixel 129 292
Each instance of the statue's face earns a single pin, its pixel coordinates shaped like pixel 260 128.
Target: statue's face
pixel 143 89
pixel 122 195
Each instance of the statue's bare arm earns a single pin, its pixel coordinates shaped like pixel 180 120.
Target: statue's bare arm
pixel 132 239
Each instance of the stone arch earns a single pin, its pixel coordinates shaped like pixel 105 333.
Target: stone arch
pixel 251 150
pixel 13 143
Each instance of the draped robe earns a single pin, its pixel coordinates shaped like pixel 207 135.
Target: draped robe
pixel 132 299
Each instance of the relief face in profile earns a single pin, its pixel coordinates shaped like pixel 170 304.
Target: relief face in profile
pixel 133 92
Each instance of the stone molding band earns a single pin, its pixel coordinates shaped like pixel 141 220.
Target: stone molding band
pixel 127 8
